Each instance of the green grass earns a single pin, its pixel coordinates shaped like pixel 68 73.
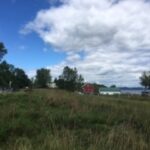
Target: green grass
pixel 57 120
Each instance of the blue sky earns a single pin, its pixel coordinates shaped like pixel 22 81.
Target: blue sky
pixel 28 52
pixel 108 41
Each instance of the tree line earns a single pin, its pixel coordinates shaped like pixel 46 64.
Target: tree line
pixel 10 76
pixel 16 78
pixel 70 79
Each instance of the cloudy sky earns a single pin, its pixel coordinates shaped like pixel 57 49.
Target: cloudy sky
pixel 108 41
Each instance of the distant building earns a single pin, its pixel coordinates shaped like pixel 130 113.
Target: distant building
pixel 52 85
pixel 109 91
pixel 88 88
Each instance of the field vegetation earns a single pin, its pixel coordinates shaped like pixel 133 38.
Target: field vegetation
pixel 59 120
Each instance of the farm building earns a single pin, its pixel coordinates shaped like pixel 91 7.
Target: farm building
pixel 88 89
pixel 109 91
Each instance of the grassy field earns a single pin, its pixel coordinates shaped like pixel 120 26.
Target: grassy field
pixel 57 120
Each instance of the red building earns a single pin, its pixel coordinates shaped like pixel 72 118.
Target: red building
pixel 88 89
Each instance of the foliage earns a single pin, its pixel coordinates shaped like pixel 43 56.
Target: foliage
pixel 58 120
pixel 43 78
pixel 11 77
pixel 70 79
pixel 79 82
pixel 145 79
pixel 20 79
pixel 97 87
pixel 3 50
pixel 113 86
pixel 6 74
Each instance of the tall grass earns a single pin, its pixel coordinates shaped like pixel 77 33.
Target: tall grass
pixel 58 120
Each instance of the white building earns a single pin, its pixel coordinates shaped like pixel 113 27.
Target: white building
pixel 109 91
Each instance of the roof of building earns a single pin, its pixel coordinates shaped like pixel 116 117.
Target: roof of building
pixel 109 90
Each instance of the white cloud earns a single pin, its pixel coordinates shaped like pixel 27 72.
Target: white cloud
pixel 31 73
pixel 73 57
pixel 113 37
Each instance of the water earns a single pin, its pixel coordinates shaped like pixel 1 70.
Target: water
pixel 132 91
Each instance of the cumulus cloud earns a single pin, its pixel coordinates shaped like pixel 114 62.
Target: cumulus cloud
pixel 107 40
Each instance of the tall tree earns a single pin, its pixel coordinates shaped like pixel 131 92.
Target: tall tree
pixel 20 80
pixel 69 79
pixel 43 78
pixel 97 87
pixel 11 77
pixel 79 82
pixel 145 79
pixel 3 50
pixel 6 74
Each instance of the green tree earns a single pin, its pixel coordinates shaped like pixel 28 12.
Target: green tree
pixel 11 77
pixel 80 82
pixel 69 79
pixel 6 74
pixel 60 83
pixel 113 86
pixel 43 78
pixel 97 87
pixel 20 80
pixel 145 79
pixel 3 50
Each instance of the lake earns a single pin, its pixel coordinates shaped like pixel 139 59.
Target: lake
pixel 132 91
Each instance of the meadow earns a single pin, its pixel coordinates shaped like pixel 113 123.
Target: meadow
pixel 59 120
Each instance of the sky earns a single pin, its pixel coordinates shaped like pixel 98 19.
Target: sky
pixel 108 41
